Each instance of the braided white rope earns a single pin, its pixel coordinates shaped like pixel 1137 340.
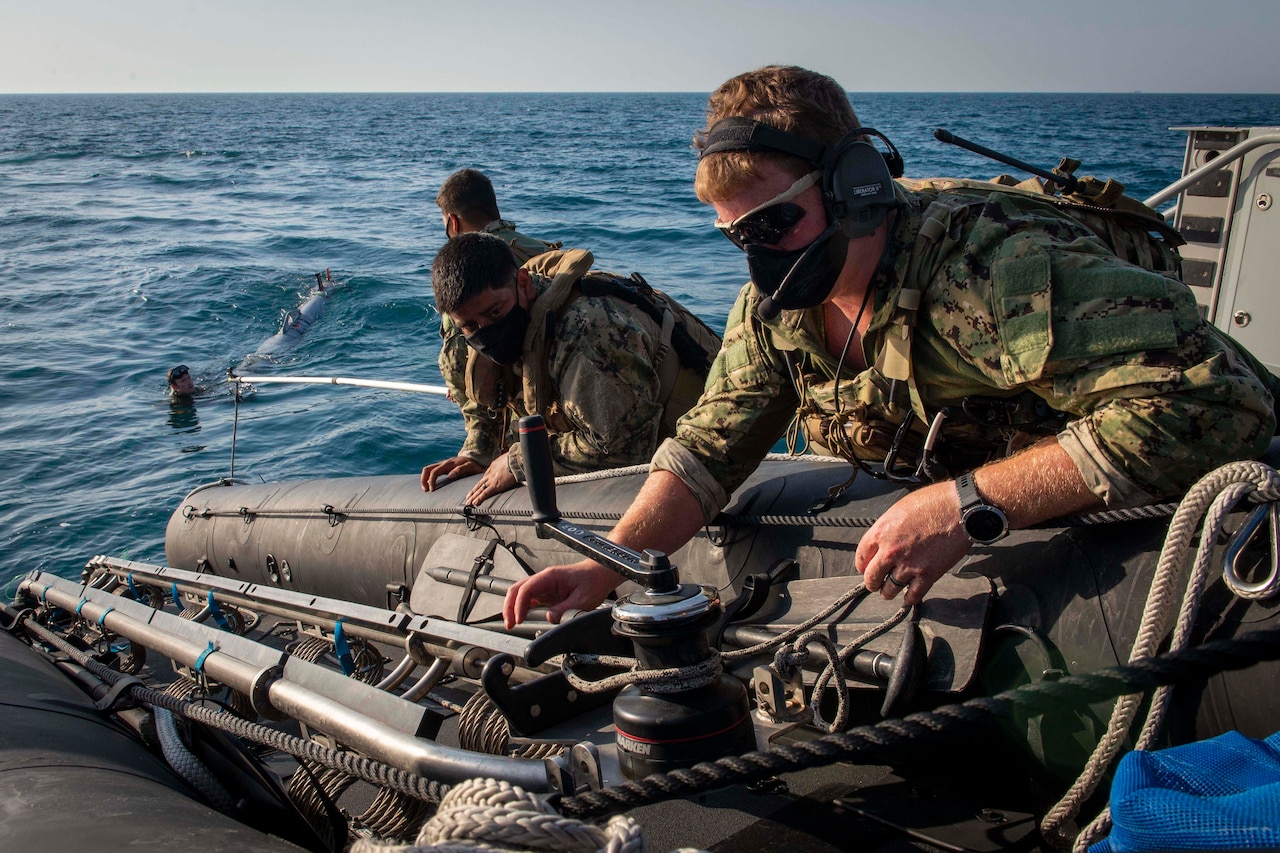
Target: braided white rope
pixel 1212 498
pixel 488 815
pixel 669 680
pixel 628 470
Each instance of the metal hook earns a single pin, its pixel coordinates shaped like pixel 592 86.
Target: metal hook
pixel 1270 585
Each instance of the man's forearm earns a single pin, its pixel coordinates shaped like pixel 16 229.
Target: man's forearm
pixel 664 516
pixel 1035 485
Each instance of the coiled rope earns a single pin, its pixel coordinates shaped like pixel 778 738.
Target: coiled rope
pixel 488 815
pixel 1210 499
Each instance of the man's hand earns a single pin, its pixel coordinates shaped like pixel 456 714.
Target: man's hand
pixel 496 480
pixel 920 538
pixel 455 469
pixel 916 542
pixel 581 586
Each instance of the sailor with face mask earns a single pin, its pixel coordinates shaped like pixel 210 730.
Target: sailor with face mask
pixel 979 343
pixel 610 363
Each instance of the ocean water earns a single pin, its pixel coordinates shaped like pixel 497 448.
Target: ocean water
pixel 139 232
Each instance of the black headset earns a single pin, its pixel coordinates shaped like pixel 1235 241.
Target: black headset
pixel 857 178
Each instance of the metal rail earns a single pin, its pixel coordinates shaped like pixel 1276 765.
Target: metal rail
pixel 1223 159
pixel 415 387
pixel 220 656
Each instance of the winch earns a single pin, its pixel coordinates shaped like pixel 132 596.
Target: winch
pixel 697 712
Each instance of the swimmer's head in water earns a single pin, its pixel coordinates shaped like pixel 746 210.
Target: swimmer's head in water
pixel 180 381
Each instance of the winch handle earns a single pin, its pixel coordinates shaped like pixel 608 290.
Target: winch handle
pixel 651 569
pixel 535 447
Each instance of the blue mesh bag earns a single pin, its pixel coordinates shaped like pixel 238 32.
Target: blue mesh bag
pixel 1217 794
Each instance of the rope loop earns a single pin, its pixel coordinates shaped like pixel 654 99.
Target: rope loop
pixel 1204 508
pixel 491 815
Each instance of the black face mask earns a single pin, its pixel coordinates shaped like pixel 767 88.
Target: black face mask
pixel 799 278
pixel 502 340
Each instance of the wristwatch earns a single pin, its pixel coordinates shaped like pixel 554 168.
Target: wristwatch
pixel 983 522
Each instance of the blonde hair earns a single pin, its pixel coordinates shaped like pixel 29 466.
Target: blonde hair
pixel 799 101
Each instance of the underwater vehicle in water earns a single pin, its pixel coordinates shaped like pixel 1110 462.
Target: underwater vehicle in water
pixel 295 324
pixel 322 659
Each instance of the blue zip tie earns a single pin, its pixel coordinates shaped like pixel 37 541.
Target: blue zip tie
pixel 80 606
pixel 216 612
pixel 44 595
pixel 198 668
pixel 344 651
pixel 177 596
pixel 103 617
pixel 137 596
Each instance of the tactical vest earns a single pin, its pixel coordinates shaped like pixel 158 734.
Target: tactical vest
pixel 523 248
pixel 875 426
pixel 683 350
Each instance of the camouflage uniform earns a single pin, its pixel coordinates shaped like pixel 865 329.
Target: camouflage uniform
pixel 453 347
pixel 593 364
pixel 1016 297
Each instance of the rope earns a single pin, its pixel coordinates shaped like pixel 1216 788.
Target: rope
pixel 188 766
pixel 667 680
pixel 856 592
pixel 721 520
pixel 892 739
pixel 833 671
pixel 1212 498
pixel 488 815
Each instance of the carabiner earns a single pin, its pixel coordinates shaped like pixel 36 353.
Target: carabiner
pixel 1270 585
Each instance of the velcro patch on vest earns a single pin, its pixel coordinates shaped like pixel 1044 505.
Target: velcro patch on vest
pixel 1102 307
pixel 1022 285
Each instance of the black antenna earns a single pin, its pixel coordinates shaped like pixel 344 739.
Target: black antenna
pixel 1067 182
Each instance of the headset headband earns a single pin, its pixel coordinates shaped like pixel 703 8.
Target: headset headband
pixel 737 133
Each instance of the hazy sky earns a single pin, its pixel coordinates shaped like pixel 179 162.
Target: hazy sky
pixel 640 45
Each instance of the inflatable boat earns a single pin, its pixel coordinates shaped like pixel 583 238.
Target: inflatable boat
pixel 365 615
pixel 321 664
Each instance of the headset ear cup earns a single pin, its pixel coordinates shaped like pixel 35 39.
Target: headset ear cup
pixel 860 187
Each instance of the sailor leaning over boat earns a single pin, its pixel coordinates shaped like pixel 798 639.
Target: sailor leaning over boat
pixel 610 362
pixel 468 203
pixel 1066 378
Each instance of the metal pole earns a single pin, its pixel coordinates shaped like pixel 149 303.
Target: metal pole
pixel 415 387
pixel 350 727
pixel 1228 156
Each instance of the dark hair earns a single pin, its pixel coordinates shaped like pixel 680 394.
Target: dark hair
pixel 468 265
pixel 178 372
pixel 469 194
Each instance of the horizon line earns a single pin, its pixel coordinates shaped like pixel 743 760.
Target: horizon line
pixel 615 92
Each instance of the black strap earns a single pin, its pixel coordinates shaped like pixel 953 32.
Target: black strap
pixel 736 133
pixel 636 291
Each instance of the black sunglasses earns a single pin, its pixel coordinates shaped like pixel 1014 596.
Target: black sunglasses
pixel 768 223
pixel 766 226
pixel 178 372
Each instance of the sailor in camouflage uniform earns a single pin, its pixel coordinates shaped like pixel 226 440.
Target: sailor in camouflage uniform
pixel 468 203
pixel 600 368
pixel 1108 388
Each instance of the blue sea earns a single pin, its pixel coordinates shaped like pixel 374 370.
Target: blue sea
pixel 138 232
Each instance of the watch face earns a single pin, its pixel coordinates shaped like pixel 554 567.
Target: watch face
pixel 984 524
